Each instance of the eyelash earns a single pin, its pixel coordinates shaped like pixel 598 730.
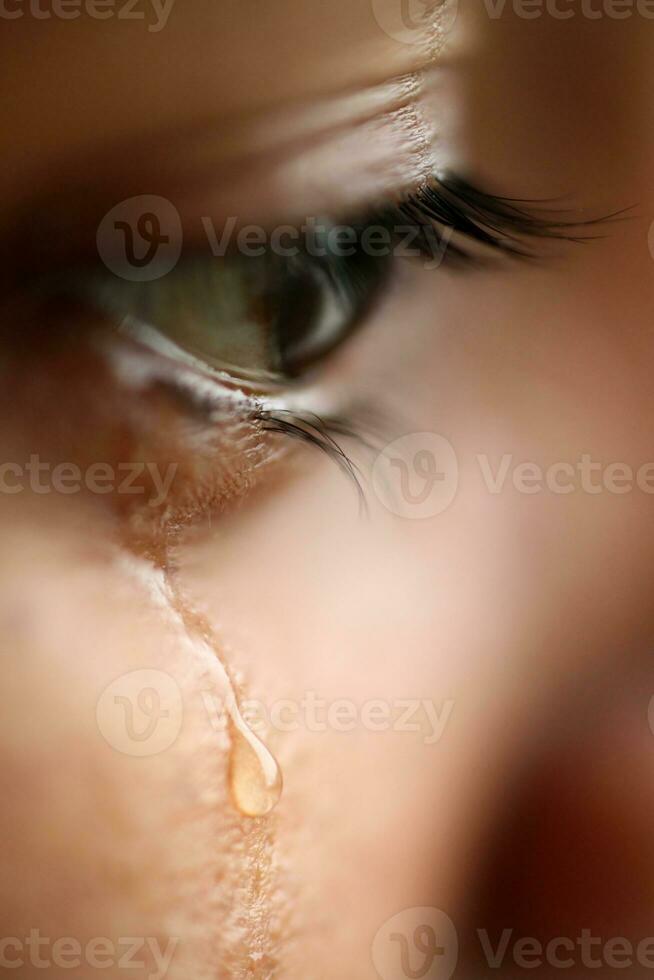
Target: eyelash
pixel 321 432
pixel 499 223
pixel 441 206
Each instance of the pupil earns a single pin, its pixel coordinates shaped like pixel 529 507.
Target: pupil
pixel 315 303
pixel 296 313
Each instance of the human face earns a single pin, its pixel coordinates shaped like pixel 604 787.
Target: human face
pixel 407 664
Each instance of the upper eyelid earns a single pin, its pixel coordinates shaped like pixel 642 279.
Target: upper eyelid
pixel 449 201
pixel 70 208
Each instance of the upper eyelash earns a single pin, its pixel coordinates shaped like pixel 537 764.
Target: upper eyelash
pixel 500 223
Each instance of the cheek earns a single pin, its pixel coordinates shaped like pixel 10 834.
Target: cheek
pixel 531 372
pixel 106 737
pixel 326 615
pixel 491 604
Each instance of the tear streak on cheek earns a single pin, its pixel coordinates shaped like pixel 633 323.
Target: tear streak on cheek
pixel 256 911
pixel 182 862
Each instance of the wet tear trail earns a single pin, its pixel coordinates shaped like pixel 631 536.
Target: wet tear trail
pixel 252 773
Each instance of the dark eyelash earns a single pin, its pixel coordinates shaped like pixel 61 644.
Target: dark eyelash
pixel 500 223
pixel 320 432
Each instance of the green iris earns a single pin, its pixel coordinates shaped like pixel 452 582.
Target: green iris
pixel 263 318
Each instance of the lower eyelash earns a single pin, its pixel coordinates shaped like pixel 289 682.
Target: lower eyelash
pixel 441 203
pixel 500 223
pixel 205 399
pixel 320 432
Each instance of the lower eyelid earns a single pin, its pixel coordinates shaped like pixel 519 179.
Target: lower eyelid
pixel 136 403
pixel 228 439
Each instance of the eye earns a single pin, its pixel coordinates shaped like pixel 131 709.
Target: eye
pixel 264 319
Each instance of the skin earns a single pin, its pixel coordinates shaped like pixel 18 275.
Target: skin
pixel 505 605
